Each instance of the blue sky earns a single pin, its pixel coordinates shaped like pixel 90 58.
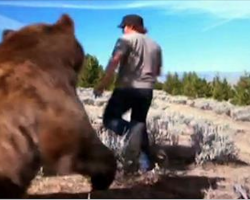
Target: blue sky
pixel 194 35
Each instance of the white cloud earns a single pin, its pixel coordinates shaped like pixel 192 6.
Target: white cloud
pixel 217 24
pixel 217 8
pixel 9 23
pixel 222 9
pixel 78 5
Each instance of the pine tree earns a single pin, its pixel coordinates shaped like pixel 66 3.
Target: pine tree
pixel 189 83
pixel 217 88
pixel 221 89
pixel 227 90
pixel 203 88
pixel 242 91
pixel 172 84
pixel 158 85
pixel 91 72
pixel 168 85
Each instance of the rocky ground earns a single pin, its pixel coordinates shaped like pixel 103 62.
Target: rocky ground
pixel 207 144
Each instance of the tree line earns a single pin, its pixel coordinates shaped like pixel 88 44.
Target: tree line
pixel 190 84
pixel 91 73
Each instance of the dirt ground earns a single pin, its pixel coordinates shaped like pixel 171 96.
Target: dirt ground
pixel 182 179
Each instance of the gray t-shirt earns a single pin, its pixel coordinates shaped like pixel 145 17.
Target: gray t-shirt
pixel 141 60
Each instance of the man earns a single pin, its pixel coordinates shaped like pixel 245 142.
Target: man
pixel 140 60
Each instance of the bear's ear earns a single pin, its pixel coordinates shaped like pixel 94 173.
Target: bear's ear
pixel 66 23
pixel 7 33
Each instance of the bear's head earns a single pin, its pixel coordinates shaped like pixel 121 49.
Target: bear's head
pixel 37 42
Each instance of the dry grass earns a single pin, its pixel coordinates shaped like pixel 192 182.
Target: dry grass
pixel 185 176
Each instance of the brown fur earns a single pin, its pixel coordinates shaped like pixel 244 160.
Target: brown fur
pixel 41 118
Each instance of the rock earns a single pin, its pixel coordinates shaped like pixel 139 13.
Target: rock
pixel 159 94
pixel 202 104
pixel 241 113
pixel 222 108
pixel 100 102
pixel 179 100
pixel 190 103
pixel 88 101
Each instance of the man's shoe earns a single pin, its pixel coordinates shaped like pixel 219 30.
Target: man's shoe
pixel 146 164
pixel 162 159
pixel 132 146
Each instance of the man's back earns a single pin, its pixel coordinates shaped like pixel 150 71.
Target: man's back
pixel 139 66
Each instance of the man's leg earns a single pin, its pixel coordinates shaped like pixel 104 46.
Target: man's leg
pixel 132 147
pixel 117 105
pixel 140 108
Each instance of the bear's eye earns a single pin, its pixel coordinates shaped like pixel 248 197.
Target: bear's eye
pixel 48 29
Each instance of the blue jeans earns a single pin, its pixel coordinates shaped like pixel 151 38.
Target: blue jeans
pixel 123 99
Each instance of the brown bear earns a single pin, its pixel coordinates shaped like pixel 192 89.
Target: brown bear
pixel 42 120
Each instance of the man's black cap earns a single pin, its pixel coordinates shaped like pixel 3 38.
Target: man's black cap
pixel 132 20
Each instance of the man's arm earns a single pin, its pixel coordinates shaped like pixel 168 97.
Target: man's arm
pixel 159 63
pixel 110 69
pixel 121 49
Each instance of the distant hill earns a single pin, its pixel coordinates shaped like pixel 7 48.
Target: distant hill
pixel 232 77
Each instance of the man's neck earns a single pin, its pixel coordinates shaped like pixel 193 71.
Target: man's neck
pixel 132 32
